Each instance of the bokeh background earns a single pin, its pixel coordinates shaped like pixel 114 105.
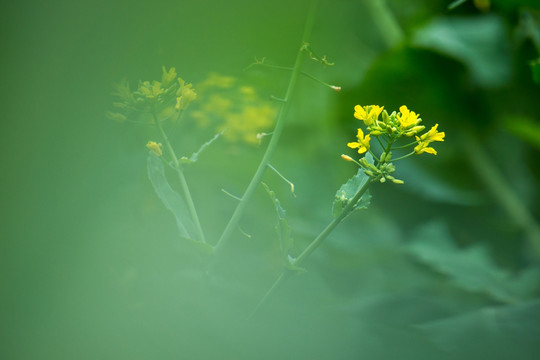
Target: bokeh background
pixel 445 266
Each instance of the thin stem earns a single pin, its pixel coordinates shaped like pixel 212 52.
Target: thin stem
pixel 272 146
pixel 405 146
pixel 315 243
pixel 286 68
pixel 404 156
pixel 332 225
pixel 183 182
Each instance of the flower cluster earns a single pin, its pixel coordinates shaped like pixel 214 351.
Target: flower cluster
pixel 389 130
pixel 153 101
pixel 234 108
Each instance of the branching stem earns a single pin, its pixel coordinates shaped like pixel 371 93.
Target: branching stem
pixel 272 146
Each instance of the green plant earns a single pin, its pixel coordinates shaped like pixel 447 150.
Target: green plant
pixel 157 102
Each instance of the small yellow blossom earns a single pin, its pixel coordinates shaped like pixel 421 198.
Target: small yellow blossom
pixel 168 76
pixel 407 118
pixel 433 135
pixel 155 148
pixel 187 95
pixel 362 144
pixel 422 147
pixel 425 139
pixel 368 114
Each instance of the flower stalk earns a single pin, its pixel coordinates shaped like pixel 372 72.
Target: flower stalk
pixel 272 146
pixel 183 183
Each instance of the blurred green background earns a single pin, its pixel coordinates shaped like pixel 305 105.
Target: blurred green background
pixel 445 266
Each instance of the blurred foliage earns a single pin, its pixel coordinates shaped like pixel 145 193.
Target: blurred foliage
pixel 445 266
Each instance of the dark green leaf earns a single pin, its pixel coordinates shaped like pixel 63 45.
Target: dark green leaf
pixel 506 332
pixel 485 53
pixel 348 190
pixel 470 269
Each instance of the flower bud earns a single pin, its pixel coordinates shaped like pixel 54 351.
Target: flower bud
pixel 346 157
pixel 155 148
pixel 385 116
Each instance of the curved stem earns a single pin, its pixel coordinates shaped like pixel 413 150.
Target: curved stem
pixel 182 178
pixel 272 146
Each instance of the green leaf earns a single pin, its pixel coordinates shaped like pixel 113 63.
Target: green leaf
pixel 282 228
pixel 471 269
pixel 505 332
pixel 479 42
pixel 348 190
pixel 170 198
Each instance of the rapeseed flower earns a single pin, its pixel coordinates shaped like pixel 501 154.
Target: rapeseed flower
pixel 368 114
pixel 362 144
pixel 407 118
pixel 425 139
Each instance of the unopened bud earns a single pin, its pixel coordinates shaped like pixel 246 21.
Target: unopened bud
pixel 336 88
pixel 385 116
pixel 346 157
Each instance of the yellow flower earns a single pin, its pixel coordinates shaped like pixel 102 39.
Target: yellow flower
pixel 407 118
pixel 433 135
pixel 368 114
pixel 422 147
pixel 168 76
pixel 362 144
pixel 155 148
pixel 425 139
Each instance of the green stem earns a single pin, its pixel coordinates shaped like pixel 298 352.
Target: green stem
pixel 183 182
pixel 406 146
pixel 286 68
pixel 315 243
pixel 272 146
pixel 403 157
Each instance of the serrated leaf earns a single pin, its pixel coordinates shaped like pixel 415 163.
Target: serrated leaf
pixel 471 269
pixel 282 228
pixel 170 198
pixel 348 190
